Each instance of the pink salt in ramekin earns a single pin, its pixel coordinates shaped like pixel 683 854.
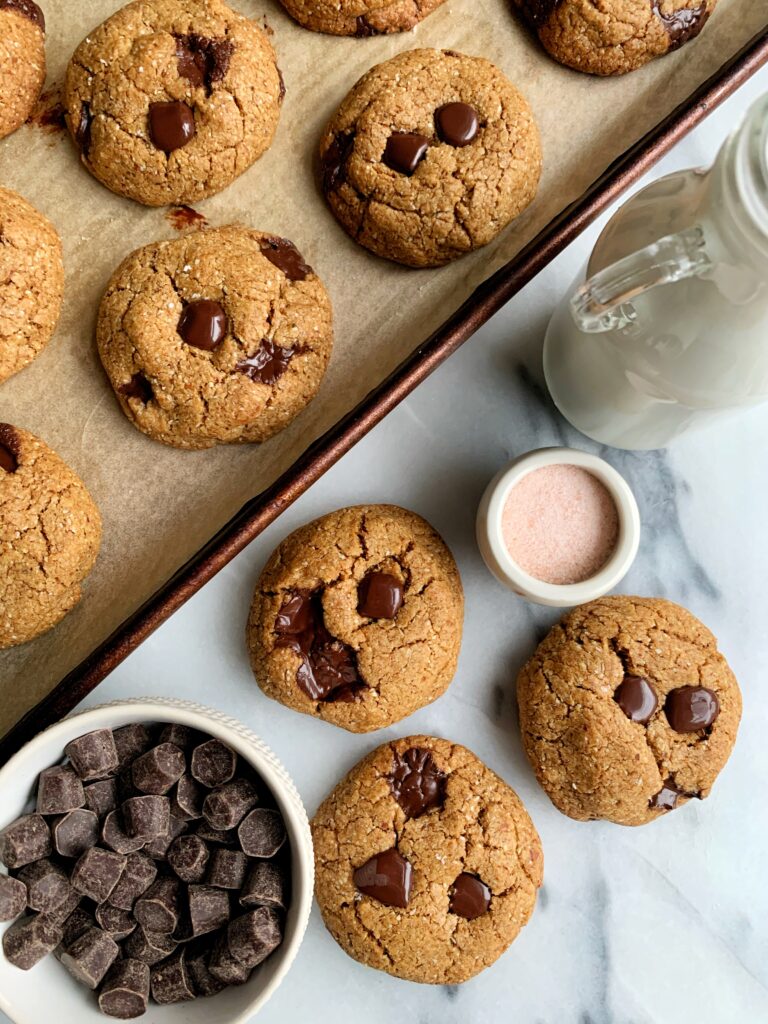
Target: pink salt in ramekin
pixel 496 556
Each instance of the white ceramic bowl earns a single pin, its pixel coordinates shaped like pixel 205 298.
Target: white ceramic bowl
pixel 490 537
pixel 47 992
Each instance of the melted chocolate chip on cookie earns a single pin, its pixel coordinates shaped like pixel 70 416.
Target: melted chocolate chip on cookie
pixel 9 460
pixel 691 708
pixel 203 61
pixel 470 897
pixel 667 797
pixel 636 698
pixel 364 29
pixel 404 151
pixel 137 387
pixel 26 7
pixel 268 364
pixel 681 25
pixel 286 257
pixel 335 161
pixel 203 324
pixel 379 595
pixel 386 877
pixel 417 783
pixel 83 129
pixel 171 125
pixel 539 11
pixel 457 123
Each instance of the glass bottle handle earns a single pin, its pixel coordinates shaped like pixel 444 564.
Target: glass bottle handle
pixel 604 302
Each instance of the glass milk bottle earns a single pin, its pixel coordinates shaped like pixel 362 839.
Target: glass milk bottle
pixel 669 331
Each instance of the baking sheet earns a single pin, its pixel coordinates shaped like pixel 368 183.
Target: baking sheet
pixel 160 505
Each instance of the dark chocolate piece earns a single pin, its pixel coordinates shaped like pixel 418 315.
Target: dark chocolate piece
pixel 188 856
pixel 417 783
pixel 114 835
pixel 77 924
pixel 158 909
pixel 470 897
pixel 224 967
pixel 335 159
pixel 24 840
pixel 379 595
pixel 137 387
pixel 47 885
pixel 13 897
pixel 89 958
pixel 691 708
pixel 636 698
pixel 28 940
pixel 149 947
pixel 386 877
pixel 138 874
pixel 124 993
pixel 171 125
pixel 101 797
pixel 118 923
pixel 253 936
pixel 213 763
pixel 187 799
pixel 286 257
pixel 59 790
pixel 170 981
pixel 268 363
pixel 457 124
pixel 159 769
pixel 158 847
pixel 75 832
pixel 208 908
pixel 134 739
pixel 203 982
pixel 404 151
pixel 262 833
pixel 265 886
pixel 97 872
pixel 226 806
pixel 180 735
pixel 61 912
pixel 203 61
pixel 683 24
pixel 94 755
pixel 146 816
pixel 203 324
pixel 226 868
pixel 667 798
pixel 226 837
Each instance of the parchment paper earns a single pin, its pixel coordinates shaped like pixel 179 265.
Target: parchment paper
pixel 160 505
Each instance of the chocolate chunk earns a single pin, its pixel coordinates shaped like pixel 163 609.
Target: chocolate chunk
pixel 253 936
pixel 146 816
pixel 47 885
pixel 457 123
pixel 364 29
pixel 203 982
pixel 667 797
pixel 335 159
pixel 134 739
pixel 203 61
pixel 379 596
pixel 262 833
pixel 188 856
pixel 76 924
pixel 83 129
pixel 76 832
pixel 97 872
pixel 114 835
pixel 404 151
pixel 171 125
pixel 59 790
pixel 101 797
pixel 636 698
pixel 203 324
pixel 265 886
pixel 187 800
pixel 158 909
pixel 470 897
pixel 93 756
pixel 28 940
pixel 125 991
pixel 227 837
pixel 286 257
pixel 691 708
pixel 683 24
pixel 180 735
pixel 170 981
pixel 8 461
pixel 226 806
pixel 119 923
pixel 156 771
pixel 149 947
pixel 61 913
pixel 208 908
pixel 89 958
pixel 327 664
pixel 226 868
pixel 386 877
pixel 417 783
pixel 137 387
pixel 28 8
pixel 138 874
pixel 213 763
pixel 13 897
pixel 24 840
pixel 268 363
pixel 158 847
pixel 223 965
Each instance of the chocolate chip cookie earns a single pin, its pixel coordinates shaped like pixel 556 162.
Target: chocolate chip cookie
pixel 31 282
pixel 614 36
pixel 430 156
pixel 50 531
pixel 22 61
pixel 627 710
pixel 357 618
pixel 359 17
pixel 426 862
pixel 221 336
pixel 171 100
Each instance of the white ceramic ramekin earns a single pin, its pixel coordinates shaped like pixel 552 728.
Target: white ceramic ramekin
pixel 490 537
pixel 47 991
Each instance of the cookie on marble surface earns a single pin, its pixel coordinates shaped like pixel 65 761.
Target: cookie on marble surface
pixel 360 18
pixel 357 618
pixel 614 36
pixel 426 862
pixel 627 710
pixel 50 531
pixel 31 282
pixel 221 336
pixel 170 100
pixel 22 61
pixel 430 156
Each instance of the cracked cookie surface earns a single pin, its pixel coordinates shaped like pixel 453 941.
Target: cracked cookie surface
pixel 359 17
pixel 627 710
pixel 612 37
pixel 430 156
pixel 22 61
pixel 357 618
pixel 50 531
pixel 31 282
pixel 473 862
pixel 169 101
pixel 221 336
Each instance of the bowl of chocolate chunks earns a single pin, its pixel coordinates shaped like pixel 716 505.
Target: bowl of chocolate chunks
pixel 156 858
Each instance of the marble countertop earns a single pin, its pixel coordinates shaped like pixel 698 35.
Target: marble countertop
pixel 666 924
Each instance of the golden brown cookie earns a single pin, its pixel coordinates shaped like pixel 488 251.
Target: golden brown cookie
pixel 221 336
pixel 627 710
pixel 31 282
pixel 357 618
pixel 430 156
pixel 50 531
pixel 359 17
pixel 22 61
pixel 170 100
pixel 426 862
pixel 614 36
